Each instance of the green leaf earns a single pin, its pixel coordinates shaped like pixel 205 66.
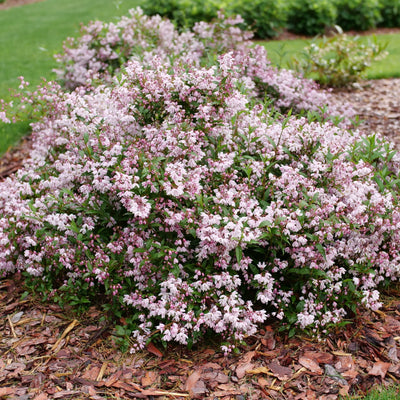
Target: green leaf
pixel 239 254
pixel 321 250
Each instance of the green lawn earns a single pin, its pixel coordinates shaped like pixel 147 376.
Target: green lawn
pixel 281 52
pixel 32 34
pixel 391 393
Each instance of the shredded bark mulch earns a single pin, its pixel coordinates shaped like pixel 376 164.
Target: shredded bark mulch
pixel 377 103
pixel 50 353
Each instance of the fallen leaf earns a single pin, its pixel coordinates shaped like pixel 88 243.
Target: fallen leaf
pixel 113 378
pixel 215 376
pixel 41 396
pixel 130 387
pixel 198 390
pixel 248 357
pixel 307 395
pixel 395 370
pixel 311 365
pixel 321 358
pixel 335 375
pixel 192 380
pixel 26 350
pixel 241 369
pixel 260 370
pixel 91 373
pixel 149 378
pixel 262 382
pixel 392 354
pixel 392 325
pixel 211 365
pixel 5 391
pixel 153 350
pixel 282 373
pixel 380 368
pixel 345 363
pixel 16 317
pixel 351 373
pixel 344 390
pixel 269 340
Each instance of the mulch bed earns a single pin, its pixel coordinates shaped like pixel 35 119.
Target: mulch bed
pixel 50 353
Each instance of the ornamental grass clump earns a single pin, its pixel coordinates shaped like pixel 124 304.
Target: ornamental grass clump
pixel 175 197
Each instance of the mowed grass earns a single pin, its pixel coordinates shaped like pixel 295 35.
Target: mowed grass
pixel 282 52
pixel 32 34
pixel 379 393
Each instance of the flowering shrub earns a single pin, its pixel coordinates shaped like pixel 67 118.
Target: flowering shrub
pixel 339 60
pixel 176 197
pixel 104 48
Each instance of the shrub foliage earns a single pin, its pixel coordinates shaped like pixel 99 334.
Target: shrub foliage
pixel 339 60
pixel 311 17
pixel 390 12
pixel 359 15
pixel 266 18
pixel 175 192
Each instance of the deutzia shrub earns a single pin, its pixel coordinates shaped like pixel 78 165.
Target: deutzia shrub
pixel 177 198
pixel 103 49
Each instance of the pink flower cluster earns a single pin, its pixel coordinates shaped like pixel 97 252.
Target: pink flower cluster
pixel 173 192
pixel 103 49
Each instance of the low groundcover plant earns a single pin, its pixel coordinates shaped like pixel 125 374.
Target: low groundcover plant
pixel 176 194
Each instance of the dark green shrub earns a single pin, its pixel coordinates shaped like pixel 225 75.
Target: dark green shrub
pixel 184 13
pixel 390 12
pixel 265 17
pixel 311 17
pixel 359 15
